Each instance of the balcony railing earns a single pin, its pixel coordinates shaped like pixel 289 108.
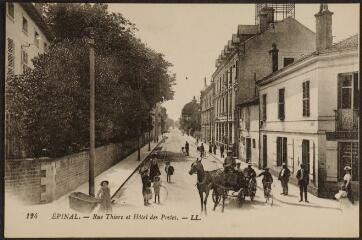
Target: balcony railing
pixel 347 119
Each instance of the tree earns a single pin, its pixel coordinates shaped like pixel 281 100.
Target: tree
pixel 191 117
pixel 51 102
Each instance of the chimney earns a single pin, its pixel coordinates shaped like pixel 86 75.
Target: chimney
pixel 324 37
pixel 274 52
pixel 205 82
pixel 266 16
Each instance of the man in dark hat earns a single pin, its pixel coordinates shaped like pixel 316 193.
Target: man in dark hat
pixel 284 175
pixel 222 150
pixel 229 162
pixel 187 148
pixel 303 181
pixel 249 172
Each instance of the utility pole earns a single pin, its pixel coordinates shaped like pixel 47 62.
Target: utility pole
pixel 92 117
pixel 139 127
pixel 149 131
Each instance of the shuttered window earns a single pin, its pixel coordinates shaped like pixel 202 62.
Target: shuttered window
pixel 348 91
pixel 264 107
pixel 306 99
pixel 281 105
pixel 11 57
pixel 282 153
pixel 305 154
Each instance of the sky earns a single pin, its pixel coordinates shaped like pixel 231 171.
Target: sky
pixel 191 36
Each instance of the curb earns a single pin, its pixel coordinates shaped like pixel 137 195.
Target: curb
pixel 136 169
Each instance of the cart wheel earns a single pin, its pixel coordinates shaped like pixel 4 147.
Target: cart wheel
pixel 215 197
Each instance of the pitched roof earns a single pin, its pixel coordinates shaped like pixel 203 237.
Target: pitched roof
pixel 343 45
pixel 351 42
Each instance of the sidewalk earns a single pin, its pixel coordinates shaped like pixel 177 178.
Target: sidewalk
pixel 116 175
pixel 293 191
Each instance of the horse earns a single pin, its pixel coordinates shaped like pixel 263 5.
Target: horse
pixel 207 180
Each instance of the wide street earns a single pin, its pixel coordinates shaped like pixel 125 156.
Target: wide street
pixel 180 204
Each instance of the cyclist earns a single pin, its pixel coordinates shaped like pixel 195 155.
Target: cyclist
pixel 267 180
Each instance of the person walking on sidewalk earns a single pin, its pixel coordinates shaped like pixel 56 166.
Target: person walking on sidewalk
pixel 284 175
pixel 202 150
pixel 222 150
pixel 187 148
pixel 347 183
pixel 303 181
pixel 210 147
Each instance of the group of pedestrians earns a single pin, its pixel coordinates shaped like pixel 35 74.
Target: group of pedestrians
pixel 151 177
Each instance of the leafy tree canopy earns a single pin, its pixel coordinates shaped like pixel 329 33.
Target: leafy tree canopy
pixel 51 102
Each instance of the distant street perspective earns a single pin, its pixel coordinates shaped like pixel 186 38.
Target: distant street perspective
pixel 181 120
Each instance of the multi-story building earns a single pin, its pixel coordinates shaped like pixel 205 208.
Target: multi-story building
pixel 27 36
pixel 254 52
pixel 309 112
pixel 207 114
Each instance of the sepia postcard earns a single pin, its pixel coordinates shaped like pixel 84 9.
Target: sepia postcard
pixel 181 120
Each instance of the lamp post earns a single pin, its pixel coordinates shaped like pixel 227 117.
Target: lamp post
pixel 92 114
pixel 149 131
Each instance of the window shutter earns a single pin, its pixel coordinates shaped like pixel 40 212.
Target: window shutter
pixel 339 89
pixel 355 91
pixel 285 150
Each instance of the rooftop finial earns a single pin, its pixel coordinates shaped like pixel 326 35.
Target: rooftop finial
pixel 323 7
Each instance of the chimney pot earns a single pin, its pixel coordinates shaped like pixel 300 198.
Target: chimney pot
pixel 324 37
pixel 266 16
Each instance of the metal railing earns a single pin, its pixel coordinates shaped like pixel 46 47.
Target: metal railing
pixel 346 119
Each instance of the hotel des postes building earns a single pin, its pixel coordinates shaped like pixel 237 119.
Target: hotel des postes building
pixel 249 56
pixel 309 112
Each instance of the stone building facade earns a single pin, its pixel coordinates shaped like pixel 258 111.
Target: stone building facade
pixel 27 36
pixel 207 113
pixel 309 112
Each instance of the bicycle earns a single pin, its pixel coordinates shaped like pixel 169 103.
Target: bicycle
pixel 268 194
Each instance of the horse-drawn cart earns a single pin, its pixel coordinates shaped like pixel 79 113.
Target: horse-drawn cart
pixel 235 185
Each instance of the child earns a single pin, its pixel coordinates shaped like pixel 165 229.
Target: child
pixel 104 196
pixel 169 171
pixel 156 187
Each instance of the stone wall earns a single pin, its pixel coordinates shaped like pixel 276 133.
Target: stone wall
pixel 22 177
pixel 44 180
